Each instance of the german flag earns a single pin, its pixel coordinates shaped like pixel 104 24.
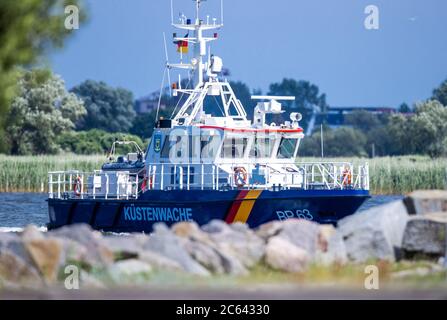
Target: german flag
pixel 242 206
pixel 182 45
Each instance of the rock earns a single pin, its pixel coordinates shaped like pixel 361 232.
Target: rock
pixel 74 252
pixel 375 233
pixel 325 233
pixel 17 271
pixel 125 246
pixel 98 254
pixel 331 250
pixel 205 255
pixel 31 232
pixel 46 255
pixel 160 262
pixel 191 231
pixel 426 201
pixel 269 229
pixel 202 248
pixel 236 241
pixel 282 255
pixel 129 271
pixel 302 233
pixel 164 242
pixel 426 235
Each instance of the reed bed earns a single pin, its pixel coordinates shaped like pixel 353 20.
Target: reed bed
pixel 403 174
pixel 30 173
pixel 388 175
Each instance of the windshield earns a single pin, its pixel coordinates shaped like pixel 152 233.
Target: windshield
pixel 287 148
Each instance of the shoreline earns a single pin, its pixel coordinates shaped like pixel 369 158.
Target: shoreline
pixel 388 175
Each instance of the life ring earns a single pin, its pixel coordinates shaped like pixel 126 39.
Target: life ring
pixel 151 182
pixel 240 176
pixel 77 186
pixel 347 177
pixel 147 184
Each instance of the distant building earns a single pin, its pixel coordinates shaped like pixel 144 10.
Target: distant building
pixel 148 103
pixel 335 116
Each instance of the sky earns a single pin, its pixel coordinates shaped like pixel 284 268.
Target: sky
pixel 322 41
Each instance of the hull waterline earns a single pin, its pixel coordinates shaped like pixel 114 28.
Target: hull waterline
pixel 253 207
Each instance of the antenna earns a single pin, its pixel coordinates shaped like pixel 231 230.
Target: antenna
pixel 221 12
pixel 321 141
pixel 167 64
pixel 172 12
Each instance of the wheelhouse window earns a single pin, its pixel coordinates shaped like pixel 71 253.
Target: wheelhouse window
pixel 262 147
pixel 209 146
pixel 287 148
pixel 176 148
pixel 234 148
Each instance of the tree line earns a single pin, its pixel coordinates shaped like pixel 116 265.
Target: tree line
pixel 38 115
pixel 45 118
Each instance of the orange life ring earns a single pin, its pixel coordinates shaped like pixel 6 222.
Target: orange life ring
pixel 77 186
pixel 347 177
pixel 240 176
pixel 151 182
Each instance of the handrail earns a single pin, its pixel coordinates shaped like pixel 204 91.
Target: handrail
pixel 166 176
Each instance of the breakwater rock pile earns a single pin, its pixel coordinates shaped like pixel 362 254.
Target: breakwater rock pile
pixel 414 228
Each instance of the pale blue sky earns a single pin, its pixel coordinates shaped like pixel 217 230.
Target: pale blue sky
pixel 323 41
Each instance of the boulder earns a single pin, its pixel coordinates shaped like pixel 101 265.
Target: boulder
pixel 125 246
pixel 160 262
pixel 191 230
pixel 164 242
pixel 283 255
pixel 98 254
pixel 375 233
pixel 31 232
pixel 46 255
pixel 203 249
pixel 129 271
pixel 74 252
pixel 331 247
pixel 205 255
pixel 426 235
pixel 237 241
pixel 426 201
pixel 17 271
pixel 302 233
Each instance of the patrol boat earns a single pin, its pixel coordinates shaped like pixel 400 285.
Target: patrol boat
pixel 200 166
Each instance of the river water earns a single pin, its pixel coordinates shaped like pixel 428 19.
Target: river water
pixel 20 209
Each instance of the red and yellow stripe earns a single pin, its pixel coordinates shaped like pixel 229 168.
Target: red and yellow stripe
pixel 242 206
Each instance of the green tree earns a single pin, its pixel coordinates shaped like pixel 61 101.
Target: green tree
pixel 404 108
pixel 341 142
pixel 28 29
pixel 440 93
pixel 306 96
pixel 430 128
pixel 362 120
pixel 94 141
pixel 42 110
pixel 144 124
pixel 242 92
pixel 109 109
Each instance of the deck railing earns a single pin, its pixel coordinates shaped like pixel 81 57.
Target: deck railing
pixel 78 184
pixel 164 176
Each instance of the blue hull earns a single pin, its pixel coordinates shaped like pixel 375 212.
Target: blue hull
pixel 202 206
